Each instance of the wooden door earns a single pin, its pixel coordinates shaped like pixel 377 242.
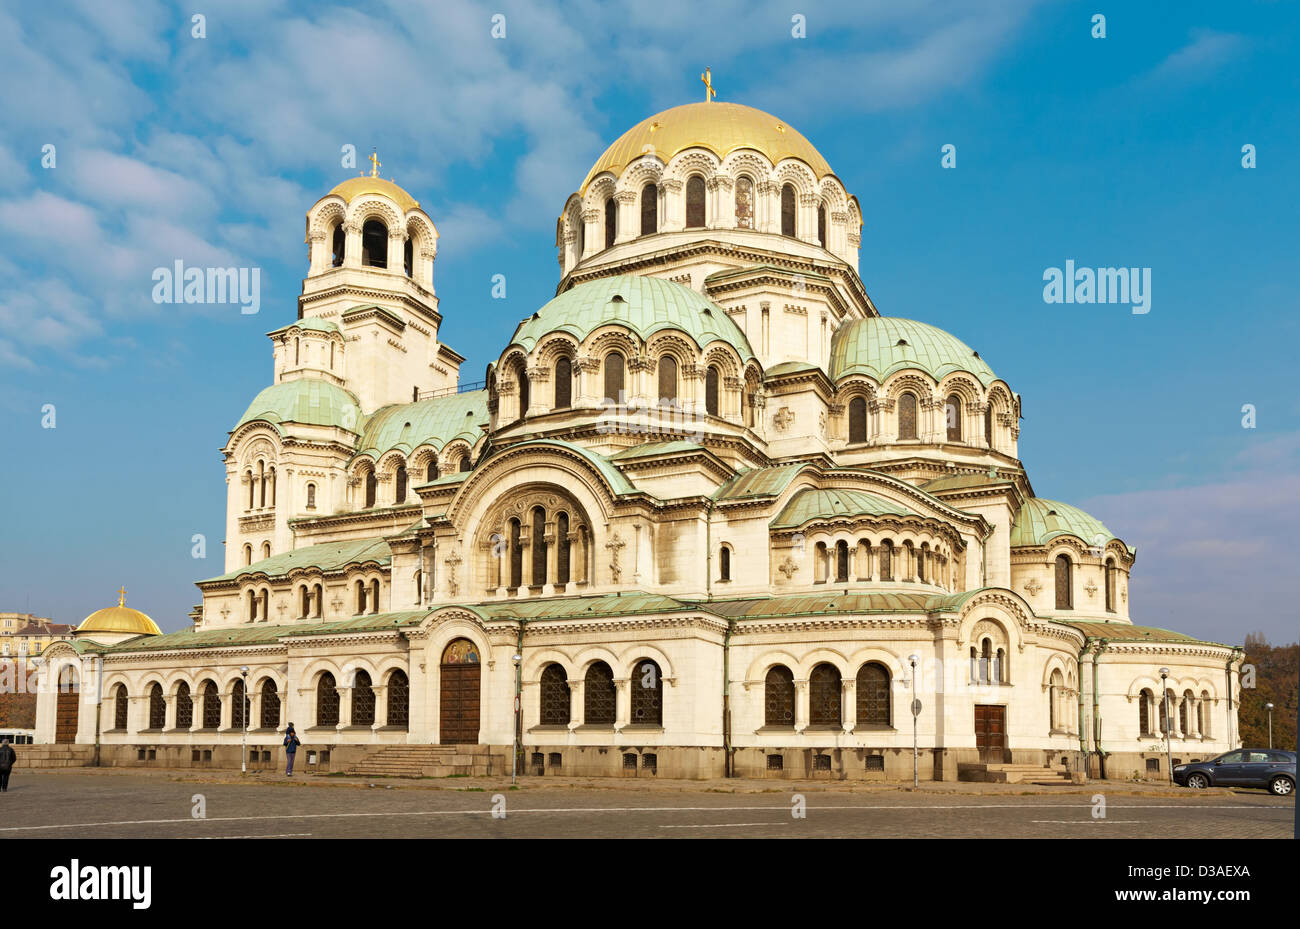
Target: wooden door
pixel 991 733
pixel 69 700
pixel 461 677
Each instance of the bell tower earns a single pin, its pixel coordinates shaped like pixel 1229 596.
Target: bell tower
pixel 371 250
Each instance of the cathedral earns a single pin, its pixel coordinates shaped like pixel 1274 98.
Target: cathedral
pixel 708 513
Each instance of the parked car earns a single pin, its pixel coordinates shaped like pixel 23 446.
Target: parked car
pixel 1267 768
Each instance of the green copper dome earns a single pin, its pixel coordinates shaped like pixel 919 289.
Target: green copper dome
pixel 879 346
pixel 1039 521
pixel 643 305
pixel 406 426
pixel 816 504
pixel 309 401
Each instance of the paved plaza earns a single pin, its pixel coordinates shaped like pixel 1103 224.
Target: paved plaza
pixel 83 803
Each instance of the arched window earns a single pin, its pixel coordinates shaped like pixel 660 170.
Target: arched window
pixel 297 351
pixel 373 600
pixel 988 424
pixel 563 384
pixel 408 256
pixel 778 697
pixel 327 701
pixel 598 696
pixel 252 486
pixel 271 480
pixel 360 590
pixel 270 705
pixel 824 697
pixel 516 554
pixel 537 536
pixel 858 420
pixel 821 564
pixel 1144 713
pixel 211 706
pixel 611 221
pixel 886 560
pixel 465 462
pixel 744 203
pixel 647 694
pixel 261 483
pixel 363 700
pixel 431 472
pixel 1164 712
pixel 787 211
pixel 614 377
pixel 1109 581
pixel 695 202
pixel 922 557
pixel 399 700
pixel 304 601
pixel 248 554
pixel 907 415
pixel 331 356
pixel 184 706
pixel 1064 583
pixel 841 561
pixel 399 485
pixel 372 485
pixel 318 597
pixel 238 705
pixel 554 695
pixel 649 209
pixel 667 379
pixel 525 389
pixel 1054 689
pixel 266 553
pixel 821 224
pixel 337 246
pixel 311 496
pixel 873 695
pixel 952 414
pixel 374 244
pixel 724 563
pixel 711 390
pixel 1184 709
pixel 563 549
pixel 157 707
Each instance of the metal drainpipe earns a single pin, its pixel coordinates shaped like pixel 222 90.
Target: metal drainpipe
pixel 1083 732
pixel 708 551
pixel 1096 710
pixel 728 769
pixel 519 713
pixel 1237 654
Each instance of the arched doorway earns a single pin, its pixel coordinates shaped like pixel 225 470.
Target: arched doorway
pixel 461 674
pixel 65 718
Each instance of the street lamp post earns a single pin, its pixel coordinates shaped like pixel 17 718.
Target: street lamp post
pixel 1269 707
pixel 243 711
pixel 916 711
pixel 514 759
pixel 1169 722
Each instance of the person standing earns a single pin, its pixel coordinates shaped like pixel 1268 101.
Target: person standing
pixel 7 759
pixel 291 743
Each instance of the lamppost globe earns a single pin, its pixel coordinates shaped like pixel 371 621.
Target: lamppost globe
pixel 1164 672
pixel 1268 706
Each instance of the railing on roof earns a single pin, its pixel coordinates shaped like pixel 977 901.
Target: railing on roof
pixel 461 388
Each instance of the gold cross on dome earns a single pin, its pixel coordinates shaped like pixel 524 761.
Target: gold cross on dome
pixel 121 596
pixel 375 163
pixel 707 78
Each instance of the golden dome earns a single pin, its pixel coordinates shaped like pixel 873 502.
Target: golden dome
pixel 720 127
pixel 366 184
pixel 118 619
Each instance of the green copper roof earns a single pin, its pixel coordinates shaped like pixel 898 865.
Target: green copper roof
pixel 260 634
pixel 327 556
pixel 306 400
pixel 1039 521
pixel 613 476
pixel 1125 632
pixel 879 346
pixel 313 323
pixel 436 422
pixel 812 503
pixel 648 305
pixel 758 482
pixel 790 367
pixel 674 447
pixel 831 600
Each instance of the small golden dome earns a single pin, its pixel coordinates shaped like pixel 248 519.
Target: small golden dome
pixel 354 187
pixel 720 127
pixel 120 618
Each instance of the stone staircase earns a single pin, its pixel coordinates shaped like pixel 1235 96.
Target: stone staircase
pixel 54 756
pixel 1014 774
pixel 431 761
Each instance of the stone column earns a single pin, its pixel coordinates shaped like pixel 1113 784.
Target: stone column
pixel 673 204
pixel 629 226
pixel 352 245
pixel 381 705
pixel 801 707
pixel 623 704
pixel 319 254
pixel 575 703
pixel 397 252
pixel 849 703
pixel 592 239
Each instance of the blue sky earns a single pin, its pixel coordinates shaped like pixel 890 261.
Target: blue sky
pixel 1122 151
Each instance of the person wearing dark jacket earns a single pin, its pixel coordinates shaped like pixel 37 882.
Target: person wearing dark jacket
pixel 291 743
pixel 7 759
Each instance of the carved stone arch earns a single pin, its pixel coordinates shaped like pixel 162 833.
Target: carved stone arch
pixel 964 387
pixel 588 656
pixel 671 342
pixel 390 462
pixel 259 676
pixel 421 230
pixel 640 651
pixel 1003 607
pixel 372 206
pixel 1055 662
pixel 746 161
pixel 796 173
pixel 833 194
pixel 824 655
pixel 693 161
pixel 725 357
pixel 326 215
pixel 419 462
pixel 612 338
pixel 256 427
pixel 510 360
pixel 999 397
pixel 855 385
pixel 897 384
pixel 259 448
pixel 537 659
pixel 555 346
pixel 453 451
pixel 600 190
pixel 1141 683
pixel 640 172
pixel 756 674
pixel 360 465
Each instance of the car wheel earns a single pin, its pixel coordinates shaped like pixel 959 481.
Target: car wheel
pixel 1281 786
pixel 1199 781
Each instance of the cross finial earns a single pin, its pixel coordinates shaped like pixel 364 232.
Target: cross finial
pixel 121 596
pixel 707 78
pixel 375 163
